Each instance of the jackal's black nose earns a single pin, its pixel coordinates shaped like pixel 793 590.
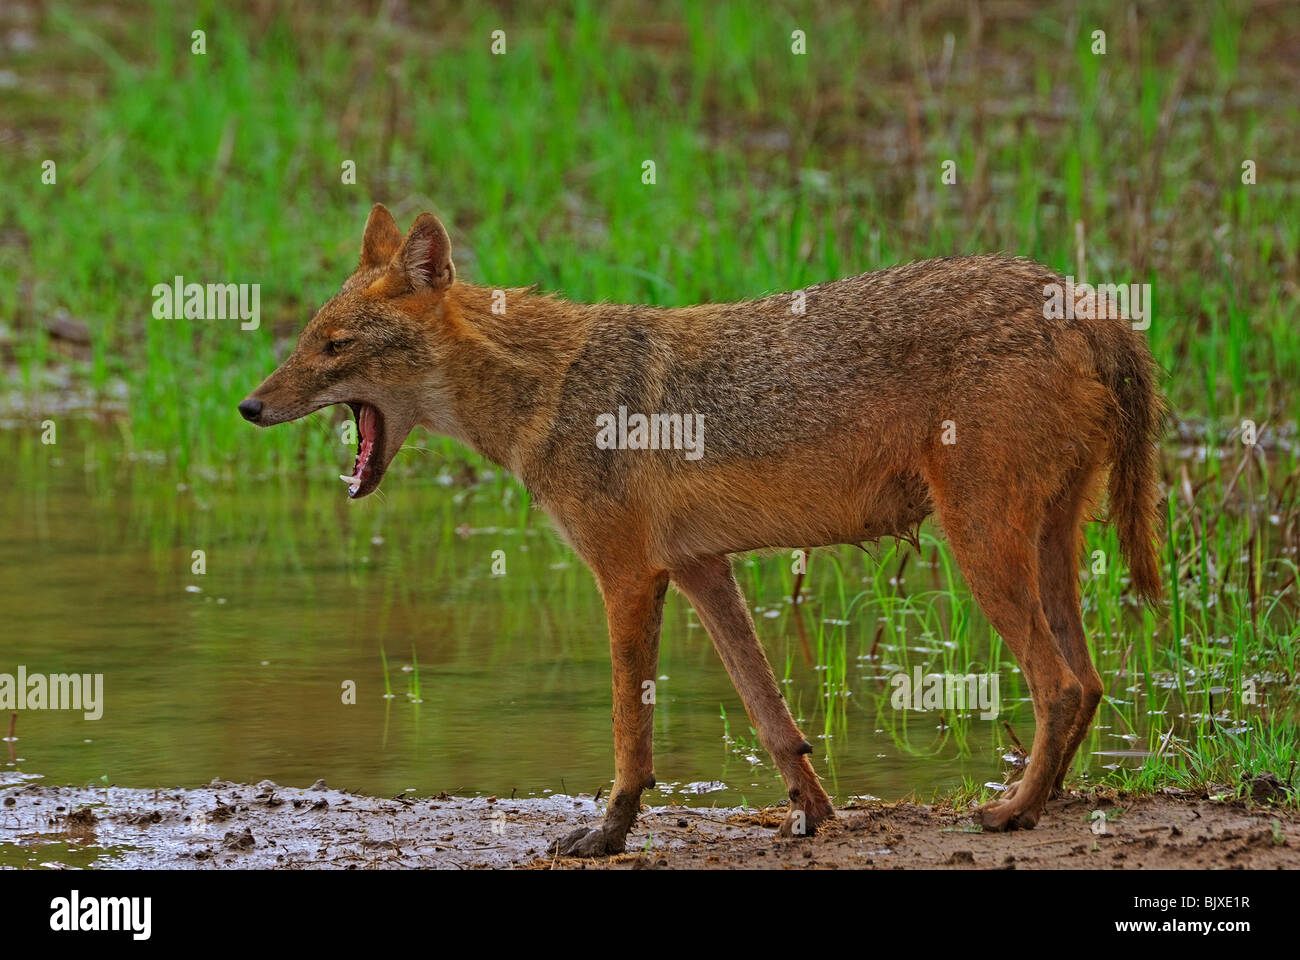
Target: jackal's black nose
pixel 251 409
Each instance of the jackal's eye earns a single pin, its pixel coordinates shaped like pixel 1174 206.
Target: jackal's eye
pixel 335 347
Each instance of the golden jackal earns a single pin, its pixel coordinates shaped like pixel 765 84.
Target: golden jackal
pixel 937 387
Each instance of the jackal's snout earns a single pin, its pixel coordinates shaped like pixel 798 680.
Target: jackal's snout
pixel 250 408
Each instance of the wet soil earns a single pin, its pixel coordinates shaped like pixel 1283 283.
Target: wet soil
pixel 269 826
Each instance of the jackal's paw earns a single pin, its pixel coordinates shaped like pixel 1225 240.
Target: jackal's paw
pixel 586 842
pixel 804 823
pixel 1007 815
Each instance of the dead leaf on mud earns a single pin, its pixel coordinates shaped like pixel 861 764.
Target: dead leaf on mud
pixel 771 817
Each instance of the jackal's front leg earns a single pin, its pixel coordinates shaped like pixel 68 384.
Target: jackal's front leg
pixel 712 589
pixel 634 606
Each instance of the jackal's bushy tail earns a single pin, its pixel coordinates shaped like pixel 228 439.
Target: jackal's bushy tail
pixel 1129 372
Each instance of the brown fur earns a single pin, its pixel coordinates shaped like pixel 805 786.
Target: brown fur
pixel 820 428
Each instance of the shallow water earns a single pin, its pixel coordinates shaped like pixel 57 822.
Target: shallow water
pixel 240 672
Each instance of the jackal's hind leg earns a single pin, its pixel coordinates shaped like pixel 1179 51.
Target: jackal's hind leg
pixel 1001 566
pixel 1060 543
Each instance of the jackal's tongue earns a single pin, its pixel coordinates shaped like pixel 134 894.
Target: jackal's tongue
pixel 366 422
pixel 365 447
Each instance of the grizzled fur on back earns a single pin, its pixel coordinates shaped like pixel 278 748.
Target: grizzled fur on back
pixel 766 377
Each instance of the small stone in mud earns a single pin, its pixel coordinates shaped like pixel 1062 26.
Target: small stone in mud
pixel 321 804
pixel 82 817
pixel 961 858
pixel 10 801
pixel 1265 786
pixel 240 841
pixel 682 823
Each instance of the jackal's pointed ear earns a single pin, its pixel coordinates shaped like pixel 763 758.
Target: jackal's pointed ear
pixel 424 261
pixel 382 238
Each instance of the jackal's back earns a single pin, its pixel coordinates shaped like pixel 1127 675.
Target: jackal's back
pixel 794 368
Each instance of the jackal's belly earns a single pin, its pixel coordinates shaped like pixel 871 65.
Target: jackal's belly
pixel 792 512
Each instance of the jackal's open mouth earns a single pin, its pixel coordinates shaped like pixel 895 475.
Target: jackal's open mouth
pixel 370 463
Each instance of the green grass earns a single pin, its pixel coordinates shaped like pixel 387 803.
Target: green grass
pixel 773 171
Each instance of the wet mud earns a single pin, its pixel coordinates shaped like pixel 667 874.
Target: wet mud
pixel 227 825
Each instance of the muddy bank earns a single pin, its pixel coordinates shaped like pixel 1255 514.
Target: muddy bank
pixel 270 826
